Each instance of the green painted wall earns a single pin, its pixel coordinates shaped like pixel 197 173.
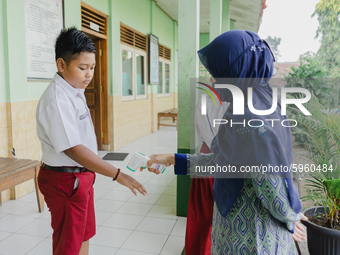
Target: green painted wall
pixel 72 13
pixel 102 5
pixel 162 27
pixel 146 18
pixel 225 16
pixel 14 41
pixel 232 23
pixel 137 17
pixel 166 30
pixel 3 66
pixel 204 40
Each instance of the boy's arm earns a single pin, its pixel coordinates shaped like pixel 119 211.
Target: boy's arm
pixel 93 162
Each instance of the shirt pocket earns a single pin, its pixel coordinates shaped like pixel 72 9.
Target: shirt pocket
pixel 83 116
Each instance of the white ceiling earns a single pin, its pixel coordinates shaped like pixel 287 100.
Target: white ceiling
pixel 246 13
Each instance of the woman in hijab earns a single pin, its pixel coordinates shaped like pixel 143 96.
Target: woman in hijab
pixel 251 215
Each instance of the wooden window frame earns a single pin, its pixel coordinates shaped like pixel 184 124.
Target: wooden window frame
pixel 164 52
pixel 136 39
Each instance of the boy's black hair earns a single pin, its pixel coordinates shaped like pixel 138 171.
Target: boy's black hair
pixel 71 42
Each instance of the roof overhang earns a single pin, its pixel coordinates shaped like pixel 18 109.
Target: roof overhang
pixel 246 14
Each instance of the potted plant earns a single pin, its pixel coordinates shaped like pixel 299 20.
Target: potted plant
pixel 323 187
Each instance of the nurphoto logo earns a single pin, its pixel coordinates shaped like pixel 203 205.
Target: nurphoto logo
pixel 238 104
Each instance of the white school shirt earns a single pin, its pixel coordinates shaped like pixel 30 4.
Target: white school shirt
pixel 63 121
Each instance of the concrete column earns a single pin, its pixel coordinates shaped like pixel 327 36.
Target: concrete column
pixel 225 15
pixel 188 43
pixel 215 18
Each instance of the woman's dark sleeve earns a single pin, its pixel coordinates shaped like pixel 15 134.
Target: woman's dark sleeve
pixel 181 167
pixel 192 164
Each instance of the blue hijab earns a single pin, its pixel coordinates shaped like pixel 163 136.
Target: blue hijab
pixel 242 59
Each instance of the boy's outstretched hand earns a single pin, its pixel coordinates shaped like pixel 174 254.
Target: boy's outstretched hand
pixel 131 183
pixel 90 160
pixel 162 159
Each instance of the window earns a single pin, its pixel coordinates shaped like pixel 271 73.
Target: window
pixel 133 73
pixel 164 74
pixel 164 77
pixel 140 73
pixel 127 72
pixel 133 60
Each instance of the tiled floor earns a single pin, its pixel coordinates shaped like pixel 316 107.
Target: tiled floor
pixel 126 225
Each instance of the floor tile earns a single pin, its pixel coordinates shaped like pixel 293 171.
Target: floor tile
pixel 129 252
pixel 111 237
pixel 118 195
pixel 99 193
pixel 148 199
pixel 43 248
pixel 124 221
pixel 12 206
pixel 174 245
pixel 156 225
pixel 30 197
pixel 120 187
pixel 179 229
pixel 159 181
pixel 46 216
pixel 4 234
pixel 171 190
pixel 105 205
pixel 162 211
pixel 38 227
pixel 134 208
pixel 101 250
pixel 17 244
pixel 167 200
pixel 156 189
pixel 30 210
pixel 145 242
pixel 101 217
pixel 141 179
pixel 12 223
pixel 173 183
pixel 105 183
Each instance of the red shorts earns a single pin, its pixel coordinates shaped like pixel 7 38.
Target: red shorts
pixel 72 210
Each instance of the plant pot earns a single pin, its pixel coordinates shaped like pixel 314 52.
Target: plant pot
pixel 321 240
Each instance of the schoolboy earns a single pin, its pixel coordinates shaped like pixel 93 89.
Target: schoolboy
pixel 69 147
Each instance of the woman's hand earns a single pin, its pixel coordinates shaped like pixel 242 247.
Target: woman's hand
pixel 131 183
pixel 299 233
pixel 162 159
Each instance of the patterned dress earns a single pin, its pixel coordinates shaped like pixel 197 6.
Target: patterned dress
pixel 260 220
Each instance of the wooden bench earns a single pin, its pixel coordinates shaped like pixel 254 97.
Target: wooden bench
pixel 168 113
pixel 15 171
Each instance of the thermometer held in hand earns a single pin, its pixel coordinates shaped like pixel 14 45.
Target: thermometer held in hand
pixel 139 160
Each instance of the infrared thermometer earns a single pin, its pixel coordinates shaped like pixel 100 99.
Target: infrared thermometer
pixel 139 160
